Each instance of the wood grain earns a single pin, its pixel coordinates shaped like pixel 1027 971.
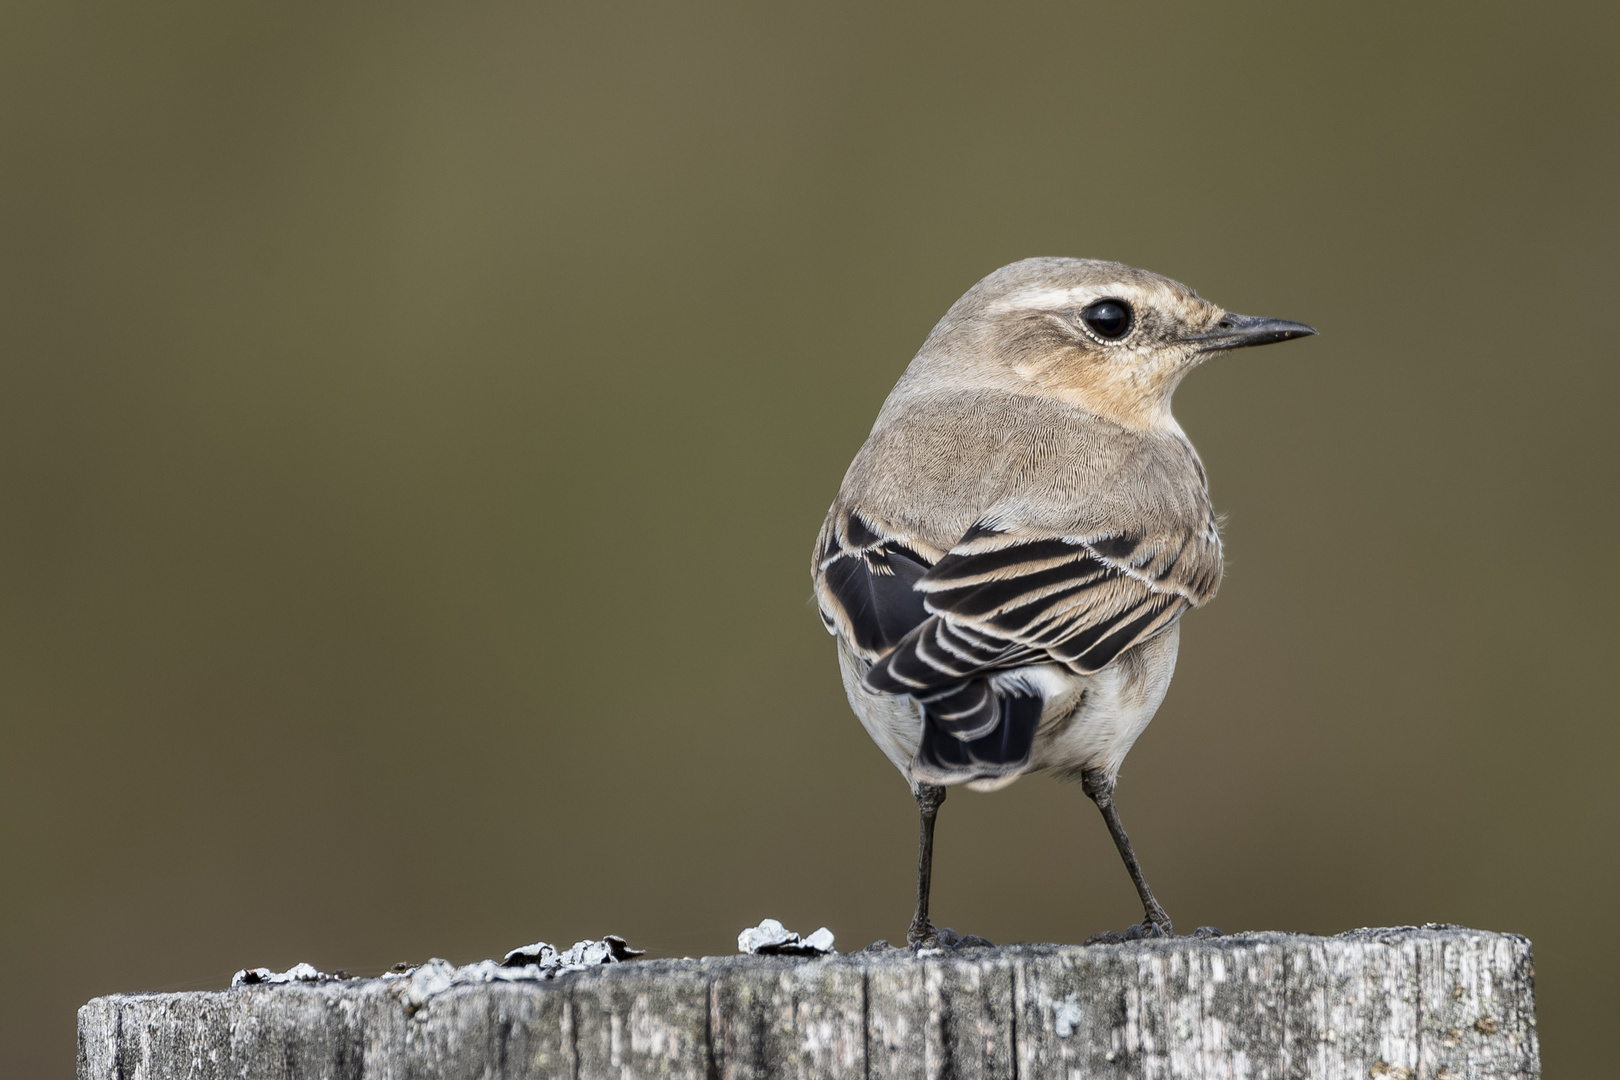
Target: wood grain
pixel 1431 1003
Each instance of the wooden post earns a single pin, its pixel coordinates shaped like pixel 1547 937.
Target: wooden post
pixel 1430 1003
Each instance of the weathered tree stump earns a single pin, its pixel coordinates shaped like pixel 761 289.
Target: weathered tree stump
pixel 1399 1004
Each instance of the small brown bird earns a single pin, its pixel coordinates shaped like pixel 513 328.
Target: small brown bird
pixel 1013 547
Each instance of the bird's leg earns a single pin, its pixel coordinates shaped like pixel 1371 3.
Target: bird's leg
pixel 1095 783
pixel 922 931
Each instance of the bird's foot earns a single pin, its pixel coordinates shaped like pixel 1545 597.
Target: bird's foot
pixel 1147 930
pixel 1141 931
pixel 948 940
pixel 1155 924
pixel 922 935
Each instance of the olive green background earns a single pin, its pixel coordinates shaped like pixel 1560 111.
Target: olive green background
pixel 414 422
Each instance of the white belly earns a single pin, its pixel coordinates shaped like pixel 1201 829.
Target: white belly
pixel 1115 709
pixel 1090 721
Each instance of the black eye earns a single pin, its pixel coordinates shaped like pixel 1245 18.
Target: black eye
pixel 1109 319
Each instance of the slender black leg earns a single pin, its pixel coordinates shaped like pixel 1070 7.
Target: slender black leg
pixel 1096 784
pixel 922 931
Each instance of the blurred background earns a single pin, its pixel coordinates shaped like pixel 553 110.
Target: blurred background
pixel 415 420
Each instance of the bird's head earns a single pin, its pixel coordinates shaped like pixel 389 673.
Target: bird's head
pixel 1103 335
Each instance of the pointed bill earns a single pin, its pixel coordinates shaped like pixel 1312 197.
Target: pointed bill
pixel 1233 331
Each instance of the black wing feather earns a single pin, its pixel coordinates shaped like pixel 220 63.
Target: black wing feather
pixel 1002 751
pixel 992 603
pixel 1020 601
pixel 874 583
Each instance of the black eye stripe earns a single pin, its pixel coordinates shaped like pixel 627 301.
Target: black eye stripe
pixel 1109 319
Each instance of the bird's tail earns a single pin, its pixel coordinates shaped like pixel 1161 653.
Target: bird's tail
pixel 974 731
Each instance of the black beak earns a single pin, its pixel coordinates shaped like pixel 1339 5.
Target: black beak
pixel 1241 331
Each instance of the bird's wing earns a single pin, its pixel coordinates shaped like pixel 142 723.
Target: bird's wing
pixel 866 582
pixel 1005 596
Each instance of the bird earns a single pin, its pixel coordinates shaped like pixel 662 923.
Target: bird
pixel 1011 551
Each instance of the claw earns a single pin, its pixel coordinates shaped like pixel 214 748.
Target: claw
pixel 1140 931
pixel 1146 929
pixel 925 936
pixel 947 939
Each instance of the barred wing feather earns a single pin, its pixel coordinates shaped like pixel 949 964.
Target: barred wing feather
pixel 1001 598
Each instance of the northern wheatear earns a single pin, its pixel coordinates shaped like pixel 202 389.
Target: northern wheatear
pixel 1011 550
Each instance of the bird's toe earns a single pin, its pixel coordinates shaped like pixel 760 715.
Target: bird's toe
pixel 925 936
pixel 950 939
pixel 1142 931
pixel 1147 929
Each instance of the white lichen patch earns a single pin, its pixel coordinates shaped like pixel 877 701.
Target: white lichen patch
pixel 771 938
pixel 264 976
pixel 417 984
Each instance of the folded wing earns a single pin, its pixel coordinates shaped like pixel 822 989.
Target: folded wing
pixel 1003 597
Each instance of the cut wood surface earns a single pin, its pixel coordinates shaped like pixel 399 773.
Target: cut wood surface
pixel 1430 1003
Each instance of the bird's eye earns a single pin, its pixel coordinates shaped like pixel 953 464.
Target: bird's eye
pixel 1110 319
